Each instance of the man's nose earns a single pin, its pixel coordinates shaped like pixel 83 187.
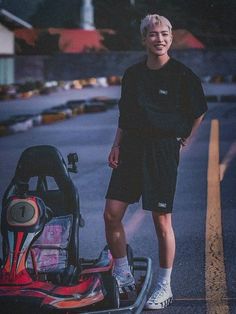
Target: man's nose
pixel 159 37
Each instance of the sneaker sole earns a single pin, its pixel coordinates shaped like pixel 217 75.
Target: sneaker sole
pixel 159 306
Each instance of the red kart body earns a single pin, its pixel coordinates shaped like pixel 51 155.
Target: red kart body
pixel 40 229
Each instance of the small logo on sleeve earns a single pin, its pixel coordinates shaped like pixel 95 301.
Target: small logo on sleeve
pixel 163 92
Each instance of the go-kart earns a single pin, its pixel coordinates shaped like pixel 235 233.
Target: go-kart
pixel 41 269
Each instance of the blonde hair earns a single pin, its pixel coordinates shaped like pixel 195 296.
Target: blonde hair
pixel 153 19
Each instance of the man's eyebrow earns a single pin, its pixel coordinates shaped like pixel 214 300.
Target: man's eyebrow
pixel 155 32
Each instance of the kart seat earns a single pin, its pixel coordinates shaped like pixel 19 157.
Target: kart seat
pixel 44 170
pixel 50 251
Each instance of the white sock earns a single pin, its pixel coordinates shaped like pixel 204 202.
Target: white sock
pixel 121 265
pixel 164 275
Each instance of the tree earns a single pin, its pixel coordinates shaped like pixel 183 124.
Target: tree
pixel 119 16
pixel 213 21
pixel 60 13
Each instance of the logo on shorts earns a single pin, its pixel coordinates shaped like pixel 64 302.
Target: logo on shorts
pixel 162 205
pixel 163 92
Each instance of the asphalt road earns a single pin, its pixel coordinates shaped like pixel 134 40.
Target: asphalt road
pixel 39 103
pixel 91 136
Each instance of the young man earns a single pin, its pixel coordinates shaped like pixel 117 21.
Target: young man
pixel 161 105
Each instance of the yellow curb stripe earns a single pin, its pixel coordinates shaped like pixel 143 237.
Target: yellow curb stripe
pixel 215 278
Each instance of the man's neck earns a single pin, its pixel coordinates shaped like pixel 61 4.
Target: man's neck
pixel 157 62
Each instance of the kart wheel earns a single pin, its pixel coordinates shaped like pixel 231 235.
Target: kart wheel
pixel 130 257
pixel 112 295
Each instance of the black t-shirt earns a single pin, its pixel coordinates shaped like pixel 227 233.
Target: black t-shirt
pixel 167 99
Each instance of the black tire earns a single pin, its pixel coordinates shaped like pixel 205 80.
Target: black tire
pixel 130 257
pixel 111 291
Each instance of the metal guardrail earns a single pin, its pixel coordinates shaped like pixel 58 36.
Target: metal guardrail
pixel 140 264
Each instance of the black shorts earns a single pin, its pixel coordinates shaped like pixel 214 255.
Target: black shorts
pixel 147 168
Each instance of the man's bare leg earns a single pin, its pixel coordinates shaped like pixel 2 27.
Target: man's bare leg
pixel 162 295
pixel 115 234
pixel 166 239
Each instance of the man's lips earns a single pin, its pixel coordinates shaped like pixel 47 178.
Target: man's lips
pixel 159 46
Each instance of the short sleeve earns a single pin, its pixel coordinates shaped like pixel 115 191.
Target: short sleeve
pixel 195 95
pixel 126 101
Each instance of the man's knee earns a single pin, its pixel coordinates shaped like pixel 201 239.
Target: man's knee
pixel 163 224
pixel 110 218
pixel 114 212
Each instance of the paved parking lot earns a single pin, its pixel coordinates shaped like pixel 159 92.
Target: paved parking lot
pixel 91 137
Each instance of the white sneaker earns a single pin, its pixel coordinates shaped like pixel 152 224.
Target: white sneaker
pixel 160 298
pixel 126 282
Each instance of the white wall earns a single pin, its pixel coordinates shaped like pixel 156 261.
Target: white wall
pixel 7 41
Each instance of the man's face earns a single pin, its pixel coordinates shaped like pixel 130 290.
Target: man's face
pixel 158 40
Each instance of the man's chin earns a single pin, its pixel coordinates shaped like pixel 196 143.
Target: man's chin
pixel 159 53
